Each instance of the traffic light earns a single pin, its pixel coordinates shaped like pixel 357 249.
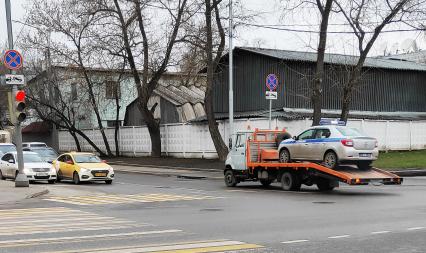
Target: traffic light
pixel 20 106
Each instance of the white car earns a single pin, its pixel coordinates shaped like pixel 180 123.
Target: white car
pixel 6 147
pixel 35 168
pixel 331 145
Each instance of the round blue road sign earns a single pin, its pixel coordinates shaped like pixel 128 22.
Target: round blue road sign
pixel 13 60
pixel 272 82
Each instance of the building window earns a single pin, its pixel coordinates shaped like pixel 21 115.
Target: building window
pixel 111 123
pixel 74 92
pixel 112 89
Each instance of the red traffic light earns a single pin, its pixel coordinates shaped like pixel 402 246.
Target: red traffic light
pixel 20 95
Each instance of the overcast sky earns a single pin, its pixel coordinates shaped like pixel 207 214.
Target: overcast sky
pixel 271 15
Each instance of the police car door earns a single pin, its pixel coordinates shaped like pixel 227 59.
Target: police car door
pixel 303 145
pixel 319 143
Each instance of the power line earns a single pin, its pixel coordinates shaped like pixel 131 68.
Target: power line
pixel 330 32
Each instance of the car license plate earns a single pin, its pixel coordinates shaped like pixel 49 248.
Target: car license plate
pixel 100 174
pixel 364 154
pixel 41 174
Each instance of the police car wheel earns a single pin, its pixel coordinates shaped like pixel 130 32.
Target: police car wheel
pixel 330 160
pixel 230 179
pixel 284 156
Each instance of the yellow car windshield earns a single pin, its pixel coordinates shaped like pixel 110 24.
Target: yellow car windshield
pixel 87 159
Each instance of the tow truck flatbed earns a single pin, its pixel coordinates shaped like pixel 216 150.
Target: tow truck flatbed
pixel 267 169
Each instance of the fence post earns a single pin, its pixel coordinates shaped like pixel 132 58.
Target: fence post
pixel 386 135
pixel 411 130
pixel 166 139
pixel 184 140
pixel 133 141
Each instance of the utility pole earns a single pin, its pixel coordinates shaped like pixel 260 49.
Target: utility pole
pixel 231 75
pixel 21 179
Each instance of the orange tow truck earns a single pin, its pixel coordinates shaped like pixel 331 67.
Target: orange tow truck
pixel 254 157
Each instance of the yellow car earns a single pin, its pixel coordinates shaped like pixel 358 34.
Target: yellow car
pixel 79 166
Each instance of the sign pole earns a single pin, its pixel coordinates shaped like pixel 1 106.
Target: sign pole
pixel 21 179
pixel 270 113
pixel 231 75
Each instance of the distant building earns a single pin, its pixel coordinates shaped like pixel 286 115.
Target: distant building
pixel 419 57
pixel 389 89
pixel 177 98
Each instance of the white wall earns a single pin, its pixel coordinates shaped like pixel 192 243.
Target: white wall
pixel 193 140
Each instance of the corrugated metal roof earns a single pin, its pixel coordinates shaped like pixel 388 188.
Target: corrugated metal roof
pixel 339 59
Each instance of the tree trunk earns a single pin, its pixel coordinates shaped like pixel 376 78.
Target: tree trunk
pixel 316 97
pixel 346 100
pixel 220 146
pixel 82 134
pixel 77 142
pixel 153 127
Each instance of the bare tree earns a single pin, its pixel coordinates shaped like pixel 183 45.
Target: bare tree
pixel 57 107
pixel 212 62
pixel 316 97
pixel 367 19
pixel 133 25
pixel 69 21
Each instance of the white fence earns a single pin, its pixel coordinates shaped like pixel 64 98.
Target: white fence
pixel 194 141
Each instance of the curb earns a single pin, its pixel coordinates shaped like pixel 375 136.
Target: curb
pixel 38 194
pixel 410 173
pixel 166 167
pixel 182 176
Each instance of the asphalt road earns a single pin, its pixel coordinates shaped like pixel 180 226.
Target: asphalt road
pixel 143 213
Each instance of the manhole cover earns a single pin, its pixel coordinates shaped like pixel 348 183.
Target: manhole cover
pixel 323 202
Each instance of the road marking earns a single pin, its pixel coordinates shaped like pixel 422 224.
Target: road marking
pixel 133 198
pixel 69 239
pixel 415 228
pixel 54 220
pixel 380 232
pixel 188 247
pixel 338 236
pixel 294 241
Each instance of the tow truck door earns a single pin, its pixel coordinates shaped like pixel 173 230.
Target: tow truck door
pixel 238 152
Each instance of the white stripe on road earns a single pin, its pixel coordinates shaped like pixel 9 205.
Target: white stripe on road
pixel 415 228
pixel 380 232
pixel 294 241
pixel 209 246
pixel 338 236
pixel 70 238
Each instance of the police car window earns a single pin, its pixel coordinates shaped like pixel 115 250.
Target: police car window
pixel 322 134
pixel 348 131
pixel 306 135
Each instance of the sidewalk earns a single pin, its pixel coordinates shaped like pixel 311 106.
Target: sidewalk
pixel 9 193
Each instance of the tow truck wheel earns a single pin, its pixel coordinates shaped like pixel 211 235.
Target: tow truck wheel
pixel 324 184
pixel 230 179
pixel 290 181
pixel 330 160
pixel 265 182
pixel 284 156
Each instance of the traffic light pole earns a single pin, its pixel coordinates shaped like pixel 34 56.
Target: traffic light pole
pixel 21 179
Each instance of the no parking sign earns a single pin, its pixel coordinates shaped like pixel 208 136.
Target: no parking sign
pixel 13 60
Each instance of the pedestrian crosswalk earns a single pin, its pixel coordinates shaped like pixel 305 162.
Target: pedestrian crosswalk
pixel 186 247
pixel 55 220
pixel 127 199
pixel 70 230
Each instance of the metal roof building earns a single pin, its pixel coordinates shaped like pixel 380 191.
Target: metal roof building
pixel 387 87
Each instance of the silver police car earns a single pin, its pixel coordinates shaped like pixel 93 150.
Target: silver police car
pixel 332 145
